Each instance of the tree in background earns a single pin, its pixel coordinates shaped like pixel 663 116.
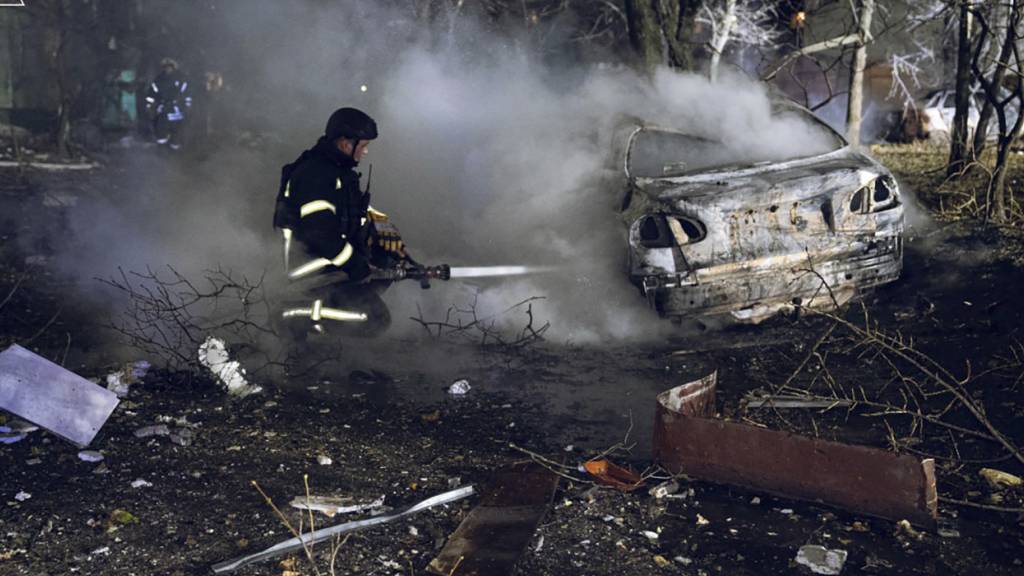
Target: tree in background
pixel 738 22
pixel 661 31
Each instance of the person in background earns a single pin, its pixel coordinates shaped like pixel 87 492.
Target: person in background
pixel 168 101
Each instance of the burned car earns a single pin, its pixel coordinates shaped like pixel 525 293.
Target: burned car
pixel 742 241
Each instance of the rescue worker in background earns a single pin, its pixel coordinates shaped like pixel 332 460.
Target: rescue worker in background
pixel 333 238
pixel 167 100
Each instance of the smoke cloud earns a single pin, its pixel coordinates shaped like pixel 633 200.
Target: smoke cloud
pixel 489 155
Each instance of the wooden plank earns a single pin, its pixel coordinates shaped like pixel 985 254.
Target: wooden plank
pixel 494 535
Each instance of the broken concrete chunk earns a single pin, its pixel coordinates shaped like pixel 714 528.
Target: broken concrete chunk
pixel 182 436
pixel 154 430
pixel 213 354
pixel 459 388
pixel 56 399
pixel 90 456
pixel 821 560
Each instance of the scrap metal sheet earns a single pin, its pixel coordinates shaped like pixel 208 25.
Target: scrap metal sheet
pixel 493 535
pixel 689 440
pixel 37 390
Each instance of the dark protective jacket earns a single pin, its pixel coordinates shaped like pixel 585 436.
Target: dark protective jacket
pixel 169 94
pixel 323 211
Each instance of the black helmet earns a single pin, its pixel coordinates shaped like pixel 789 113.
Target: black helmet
pixel 352 124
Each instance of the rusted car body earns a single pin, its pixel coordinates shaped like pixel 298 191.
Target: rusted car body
pixel 745 241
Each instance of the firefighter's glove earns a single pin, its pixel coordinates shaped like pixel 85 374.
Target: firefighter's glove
pixel 389 239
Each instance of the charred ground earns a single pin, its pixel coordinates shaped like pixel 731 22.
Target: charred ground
pixel 389 428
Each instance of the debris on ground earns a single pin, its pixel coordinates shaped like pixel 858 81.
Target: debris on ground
pixel 213 354
pixel 497 531
pixel 999 479
pixel 459 388
pixel 21 496
pixel 154 430
pixel 821 560
pixel 323 460
pixel 613 475
pixel 331 505
pixel 49 396
pixel 182 437
pixel 332 531
pixel 140 483
pixel 688 437
pixel 120 382
pixel 664 489
pixel 8 436
pixel 90 456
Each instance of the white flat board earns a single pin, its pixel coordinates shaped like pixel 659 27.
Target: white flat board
pixel 47 395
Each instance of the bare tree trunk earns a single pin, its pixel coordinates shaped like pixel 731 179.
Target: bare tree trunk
pixel 659 31
pixel 855 105
pixel 958 150
pixel 997 188
pixel 645 32
pixel 1001 18
pixel 721 38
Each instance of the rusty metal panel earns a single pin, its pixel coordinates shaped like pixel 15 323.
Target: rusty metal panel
pixel 493 535
pixel 45 394
pixel 861 479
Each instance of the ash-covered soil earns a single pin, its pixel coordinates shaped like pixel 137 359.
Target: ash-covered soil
pixel 384 420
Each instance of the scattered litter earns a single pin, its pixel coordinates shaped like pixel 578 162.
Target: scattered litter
pixel 652 536
pixel 661 561
pixel 22 496
pixel 999 479
pixel 326 533
pixel 90 456
pixel 213 354
pixel 413 531
pixel 104 550
pixel 459 388
pixel 788 401
pixel 683 560
pixel 122 517
pixel 120 382
pixel 495 533
pixel 786 511
pixel 155 430
pixel 140 483
pixel 755 501
pixel 821 560
pixel 947 529
pixel 323 460
pixel 569 448
pixel 904 527
pixel 51 397
pixel 454 482
pixel 331 505
pixel 182 436
pixel 101 469
pixel 33 461
pixel 701 520
pixel 613 475
pixel 664 489
pixel 8 436
pixel 540 544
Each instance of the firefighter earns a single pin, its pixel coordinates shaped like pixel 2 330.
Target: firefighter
pixel 333 238
pixel 168 100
